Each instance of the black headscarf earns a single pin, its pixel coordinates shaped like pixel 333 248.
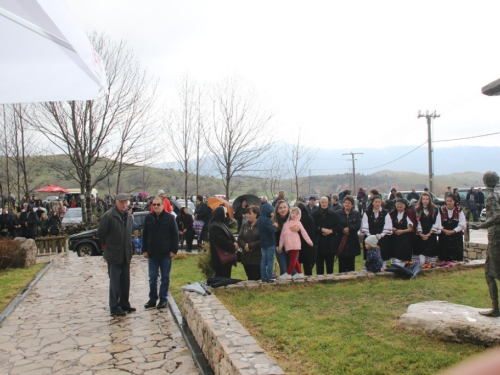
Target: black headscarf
pixel 218 219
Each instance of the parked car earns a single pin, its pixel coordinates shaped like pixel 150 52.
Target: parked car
pixel 72 216
pixel 51 199
pixel 462 192
pixel 190 205
pixel 437 201
pixel 483 215
pixel 87 243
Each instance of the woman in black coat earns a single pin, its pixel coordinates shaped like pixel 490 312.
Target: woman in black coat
pixel 325 222
pixel 348 224
pixel 55 224
pixel 249 242
pixel 240 213
pixel 29 223
pixel 185 224
pixel 220 236
pixel 307 254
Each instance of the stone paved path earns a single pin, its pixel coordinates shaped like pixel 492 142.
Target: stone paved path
pixel 63 327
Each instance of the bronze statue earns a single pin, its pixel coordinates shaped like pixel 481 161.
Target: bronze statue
pixel 492 266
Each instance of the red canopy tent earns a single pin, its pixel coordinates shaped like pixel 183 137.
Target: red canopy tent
pixel 52 189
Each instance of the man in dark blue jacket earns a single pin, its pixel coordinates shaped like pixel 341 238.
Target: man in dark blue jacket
pixel 160 244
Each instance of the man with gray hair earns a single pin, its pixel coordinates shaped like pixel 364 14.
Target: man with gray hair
pixel 281 196
pixel 115 234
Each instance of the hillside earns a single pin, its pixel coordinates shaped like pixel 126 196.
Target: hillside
pixel 152 179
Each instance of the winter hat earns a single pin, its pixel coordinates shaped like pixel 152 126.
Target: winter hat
pixel 373 240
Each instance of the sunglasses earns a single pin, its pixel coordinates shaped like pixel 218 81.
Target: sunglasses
pixel 156 204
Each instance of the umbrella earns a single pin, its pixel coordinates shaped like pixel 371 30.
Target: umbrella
pixel 411 270
pixel 252 200
pixel 52 189
pixel 45 56
pixel 214 202
pixel 140 194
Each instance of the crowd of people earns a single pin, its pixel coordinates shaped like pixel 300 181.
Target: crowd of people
pixel 31 218
pixel 397 230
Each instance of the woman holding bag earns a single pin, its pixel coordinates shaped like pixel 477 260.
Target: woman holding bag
pixel 348 224
pixel 221 240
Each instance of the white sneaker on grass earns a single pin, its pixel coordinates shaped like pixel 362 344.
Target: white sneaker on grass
pixel 285 276
pixel 298 276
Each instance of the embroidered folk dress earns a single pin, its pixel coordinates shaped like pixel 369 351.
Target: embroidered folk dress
pixel 401 245
pixel 427 221
pixel 452 247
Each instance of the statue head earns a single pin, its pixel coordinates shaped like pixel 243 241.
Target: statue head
pixel 490 179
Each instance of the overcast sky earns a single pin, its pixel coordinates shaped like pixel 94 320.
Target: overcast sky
pixel 351 74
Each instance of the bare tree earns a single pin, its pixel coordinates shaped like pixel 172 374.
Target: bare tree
pixel 19 145
pixel 199 139
pixel 301 158
pixel 273 176
pixel 89 132
pixel 180 128
pixel 238 138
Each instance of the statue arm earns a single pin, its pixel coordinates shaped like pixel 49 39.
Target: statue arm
pixel 495 220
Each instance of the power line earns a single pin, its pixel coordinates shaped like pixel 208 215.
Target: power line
pixel 408 153
pixel 459 139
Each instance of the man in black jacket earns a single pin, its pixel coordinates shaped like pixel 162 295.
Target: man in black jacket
pixel 115 233
pixel 202 212
pixel 160 241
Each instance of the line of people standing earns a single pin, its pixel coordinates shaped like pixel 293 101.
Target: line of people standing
pixel 422 234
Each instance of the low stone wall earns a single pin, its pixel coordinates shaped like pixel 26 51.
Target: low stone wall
pixel 228 347
pixel 475 250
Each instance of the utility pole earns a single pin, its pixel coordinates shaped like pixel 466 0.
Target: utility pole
pixel 429 141
pixel 353 169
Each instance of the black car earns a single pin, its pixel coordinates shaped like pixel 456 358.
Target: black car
pixel 87 244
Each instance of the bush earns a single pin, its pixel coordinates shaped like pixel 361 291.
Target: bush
pixel 11 254
pixel 78 228
pixel 204 261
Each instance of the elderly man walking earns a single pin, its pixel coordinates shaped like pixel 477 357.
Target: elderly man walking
pixel 115 233
pixel 160 240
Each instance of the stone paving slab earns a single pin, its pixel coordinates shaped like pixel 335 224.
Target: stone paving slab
pixel 63 327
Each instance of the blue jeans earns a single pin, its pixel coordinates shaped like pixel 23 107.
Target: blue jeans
pixel 164 264
pixel 283 262
pixel 266 263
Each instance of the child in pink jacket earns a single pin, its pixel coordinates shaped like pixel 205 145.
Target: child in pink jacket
pixel 291 241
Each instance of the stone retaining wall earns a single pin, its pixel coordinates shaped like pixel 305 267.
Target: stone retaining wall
pixel 228 347
pixel 475 250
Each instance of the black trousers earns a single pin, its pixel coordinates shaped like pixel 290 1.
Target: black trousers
pixel 321 260
pixel 252 271
pixel 224 271
pixel 119 286
pixel 346 264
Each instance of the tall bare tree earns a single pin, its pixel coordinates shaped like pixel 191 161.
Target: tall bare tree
pixel 88 132
pixel 273 176
pixel 180 127
pixel 301 158
pixel 238 137
pixel 20 148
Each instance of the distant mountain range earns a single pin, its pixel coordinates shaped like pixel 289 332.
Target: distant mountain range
pixel 396 158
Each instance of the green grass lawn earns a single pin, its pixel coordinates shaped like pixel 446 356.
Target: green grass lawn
pixel 14 280
pixel 349 327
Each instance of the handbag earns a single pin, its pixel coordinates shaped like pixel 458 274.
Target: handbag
pixel 225 257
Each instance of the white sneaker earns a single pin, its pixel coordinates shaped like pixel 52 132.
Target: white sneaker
pixel 298 276
pixel 285 276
